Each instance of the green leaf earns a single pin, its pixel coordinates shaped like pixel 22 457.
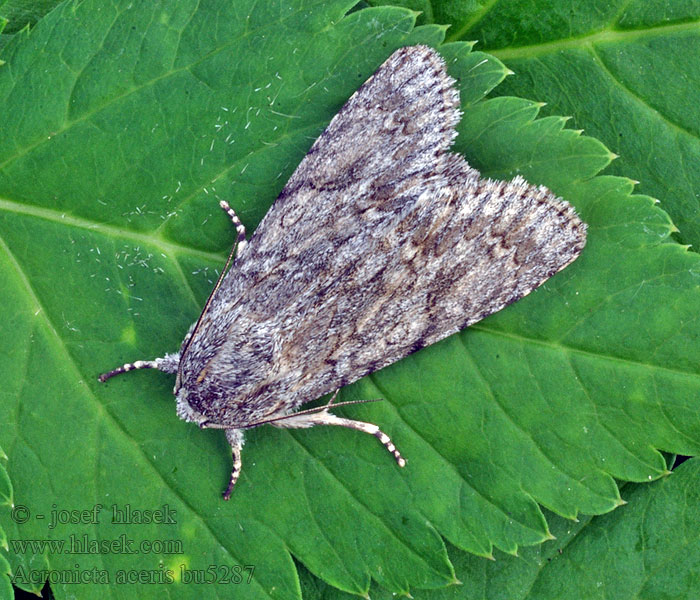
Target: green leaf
pixel 20 13
pixel 647 549
pixel 110 240
pixel 6 495
pixel 6 591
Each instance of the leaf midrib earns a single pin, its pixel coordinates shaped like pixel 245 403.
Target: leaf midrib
pixel 606 35
pixel 105 229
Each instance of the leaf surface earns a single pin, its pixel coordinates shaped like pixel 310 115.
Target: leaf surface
pixel 131 120
pixel 647 549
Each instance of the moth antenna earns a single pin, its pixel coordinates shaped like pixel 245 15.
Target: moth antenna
pixel 139 364
pixel 316 409
pixel 308 411
pixel 334 396
pixel 239 244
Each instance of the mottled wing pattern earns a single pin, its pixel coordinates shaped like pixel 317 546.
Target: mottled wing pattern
pixel 381 243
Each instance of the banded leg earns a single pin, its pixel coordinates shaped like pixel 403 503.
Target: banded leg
pixel 139 364
pixel 167 364
pixel 240 228
pixel 235 438
pixel 326 418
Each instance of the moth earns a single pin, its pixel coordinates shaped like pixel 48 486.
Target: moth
pixel 382 242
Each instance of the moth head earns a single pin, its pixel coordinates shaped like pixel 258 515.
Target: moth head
pixel 184 409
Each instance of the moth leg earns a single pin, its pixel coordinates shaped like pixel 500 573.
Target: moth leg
pixel 326 418
pixel 139 364
pixel 240 228
pixel 167 364
pixel 235 438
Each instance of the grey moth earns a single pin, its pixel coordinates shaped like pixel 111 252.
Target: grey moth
pixel 381 243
